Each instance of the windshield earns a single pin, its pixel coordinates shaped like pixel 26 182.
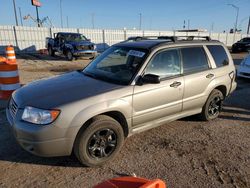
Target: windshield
pixel 117 64
pixel 75 37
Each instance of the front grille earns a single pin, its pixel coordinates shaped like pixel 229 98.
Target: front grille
pixel 13 108
pixel 82 47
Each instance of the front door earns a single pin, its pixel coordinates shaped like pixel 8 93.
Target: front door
pixel 158 101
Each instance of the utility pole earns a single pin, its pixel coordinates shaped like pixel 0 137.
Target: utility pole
pixel 140 21
pixel 37 18
pixel 20 14
pixel 93 20
pixel 67 22
pixel 188 24
pixel 14 5
pixel 61 14
pixel 248 27
pixel 212 27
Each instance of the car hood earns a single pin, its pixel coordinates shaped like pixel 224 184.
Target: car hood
pixel 60 90
pixel 82 43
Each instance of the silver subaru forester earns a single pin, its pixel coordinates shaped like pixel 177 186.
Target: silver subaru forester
pixel 133 86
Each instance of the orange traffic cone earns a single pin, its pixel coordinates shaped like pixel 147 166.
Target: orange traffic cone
pixel 9 78
pixel 133 182
pixel 10 54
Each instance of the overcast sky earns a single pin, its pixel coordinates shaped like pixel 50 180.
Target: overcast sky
pixel 117 14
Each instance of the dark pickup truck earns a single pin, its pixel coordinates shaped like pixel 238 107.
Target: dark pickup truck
pixel 71 45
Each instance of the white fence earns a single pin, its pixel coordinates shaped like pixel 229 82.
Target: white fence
pixel 30 39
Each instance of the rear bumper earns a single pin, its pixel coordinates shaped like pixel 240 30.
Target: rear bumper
pixel 234 86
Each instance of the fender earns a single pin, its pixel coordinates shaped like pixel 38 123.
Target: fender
pixel 123 105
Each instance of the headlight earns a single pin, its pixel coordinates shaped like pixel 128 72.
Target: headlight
pixel 39 116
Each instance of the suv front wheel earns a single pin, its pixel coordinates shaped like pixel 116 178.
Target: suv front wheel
pixel 213 106
pixel 69 55
pixel 99 142
pixel 51 51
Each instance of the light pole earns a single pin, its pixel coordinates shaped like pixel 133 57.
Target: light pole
pixel 237 15
pixel 61 14
pixel 14 5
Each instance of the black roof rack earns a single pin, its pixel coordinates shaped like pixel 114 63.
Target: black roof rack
pixel 171 38
pixel 193 37
pixel 139 38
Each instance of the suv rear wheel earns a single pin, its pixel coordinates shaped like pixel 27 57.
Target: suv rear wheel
pixel 213 106
pixel 99 142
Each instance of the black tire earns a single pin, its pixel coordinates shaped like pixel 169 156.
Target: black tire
pixel 51 51
pixel 213 106
pixel 69 55
pixel 102 134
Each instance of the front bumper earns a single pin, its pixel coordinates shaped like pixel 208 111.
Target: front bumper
pixel 85 53
pixel 243 75
pixel 45 141
pixel 243 72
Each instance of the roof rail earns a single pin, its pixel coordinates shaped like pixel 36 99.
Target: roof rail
pixel 138 38
pixel 171 38
pixel 198 37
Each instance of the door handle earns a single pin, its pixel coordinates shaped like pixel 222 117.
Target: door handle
pixel 175 84
pixel 210 75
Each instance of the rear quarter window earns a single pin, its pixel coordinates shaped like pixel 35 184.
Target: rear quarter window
pixel 219 55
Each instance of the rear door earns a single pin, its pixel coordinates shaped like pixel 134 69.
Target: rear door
pixel 198 74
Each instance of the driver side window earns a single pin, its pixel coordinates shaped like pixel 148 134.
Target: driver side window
pixel 165 64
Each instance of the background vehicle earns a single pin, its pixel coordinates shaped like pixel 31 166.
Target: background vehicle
pixel 244 68
pixel 71 45
pixel 129 88
pixel 241 46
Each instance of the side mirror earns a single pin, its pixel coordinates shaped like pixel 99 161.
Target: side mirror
pixel 89 40
pixel 151 79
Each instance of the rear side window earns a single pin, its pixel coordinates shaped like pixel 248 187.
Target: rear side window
pixel 194 60
pixel 219 55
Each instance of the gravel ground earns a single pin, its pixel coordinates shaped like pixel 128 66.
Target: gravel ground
pixel 184 153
